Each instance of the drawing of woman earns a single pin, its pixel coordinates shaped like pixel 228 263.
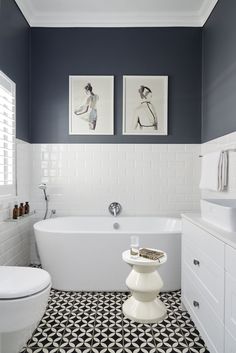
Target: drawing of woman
pixel 88 111
pixel 145 116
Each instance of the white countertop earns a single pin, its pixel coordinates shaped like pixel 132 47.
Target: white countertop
pixel 228 238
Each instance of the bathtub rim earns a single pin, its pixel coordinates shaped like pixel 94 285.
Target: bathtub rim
pixel 177 230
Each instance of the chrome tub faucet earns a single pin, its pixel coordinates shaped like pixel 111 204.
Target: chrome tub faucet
pixel 114 209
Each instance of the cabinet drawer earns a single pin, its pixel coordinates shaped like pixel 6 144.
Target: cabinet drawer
pixel 206 243
pixel 209 325
pixel 209 277
pixel 230 304
pixel 230 260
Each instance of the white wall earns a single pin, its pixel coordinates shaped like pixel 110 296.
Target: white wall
pixel 15 236
pixel 147 179
pixel 24 170
pixel 84 178
pixel 222 143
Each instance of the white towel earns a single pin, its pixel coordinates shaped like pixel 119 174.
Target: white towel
pixel 214 174
pixel 223 171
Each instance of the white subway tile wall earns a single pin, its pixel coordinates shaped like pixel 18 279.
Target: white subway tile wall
pixel 147 179
pixel 222 143
pixel 24 168
pixel 15 237
pixel 83 179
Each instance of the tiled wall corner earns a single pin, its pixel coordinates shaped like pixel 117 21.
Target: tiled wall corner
pixel 222 143
pixel 24 170
pixel 15 237
pixel 147 179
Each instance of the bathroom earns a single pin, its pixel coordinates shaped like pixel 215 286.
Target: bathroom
pixel 154 177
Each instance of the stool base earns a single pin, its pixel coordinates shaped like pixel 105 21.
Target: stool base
pixel 144 312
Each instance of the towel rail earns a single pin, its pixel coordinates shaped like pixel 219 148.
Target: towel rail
pixel 227 150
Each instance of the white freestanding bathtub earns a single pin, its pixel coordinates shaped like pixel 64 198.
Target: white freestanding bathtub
pixel 84 253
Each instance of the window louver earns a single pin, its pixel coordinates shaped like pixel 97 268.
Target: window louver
pixel 7 135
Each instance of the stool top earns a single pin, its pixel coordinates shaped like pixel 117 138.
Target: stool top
pixel 142 261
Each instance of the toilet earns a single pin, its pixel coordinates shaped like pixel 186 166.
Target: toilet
pixel 24 293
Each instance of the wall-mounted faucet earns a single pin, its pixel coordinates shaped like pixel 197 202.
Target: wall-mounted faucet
pixel 114 209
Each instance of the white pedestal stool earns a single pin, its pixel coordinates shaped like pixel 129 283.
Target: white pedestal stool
pixel 144 283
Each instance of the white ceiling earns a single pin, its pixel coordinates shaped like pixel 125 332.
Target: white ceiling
pixel 116 13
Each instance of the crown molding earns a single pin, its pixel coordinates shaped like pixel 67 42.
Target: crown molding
pixel 26 9
pixel 206 9
pixel 104 19
pixel 116 20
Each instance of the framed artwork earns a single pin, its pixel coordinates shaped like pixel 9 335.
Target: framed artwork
pixel 145 105
pixel 91 107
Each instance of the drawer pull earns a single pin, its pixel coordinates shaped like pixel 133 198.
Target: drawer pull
pixel 195 304
pixel 196 262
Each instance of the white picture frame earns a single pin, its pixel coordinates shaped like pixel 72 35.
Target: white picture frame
pixel 91 105
pixel 145 105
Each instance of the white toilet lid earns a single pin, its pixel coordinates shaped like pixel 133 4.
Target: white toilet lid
pixel 18 282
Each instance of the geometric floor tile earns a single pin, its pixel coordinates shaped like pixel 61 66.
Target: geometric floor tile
pixel 93 322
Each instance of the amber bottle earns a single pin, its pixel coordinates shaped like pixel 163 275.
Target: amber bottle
pixel 21 209
pixel 27 208
pixel 15 212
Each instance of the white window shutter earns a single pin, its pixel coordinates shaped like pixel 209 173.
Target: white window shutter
pixel 7 135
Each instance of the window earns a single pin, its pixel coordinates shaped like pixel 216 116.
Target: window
pixel 7 135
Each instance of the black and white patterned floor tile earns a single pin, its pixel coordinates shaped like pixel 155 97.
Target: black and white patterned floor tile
pixel 92 322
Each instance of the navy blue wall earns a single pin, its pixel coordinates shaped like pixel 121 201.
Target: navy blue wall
pixel 219 71
pixel 57 53
pixel 176 52
pixel 14 60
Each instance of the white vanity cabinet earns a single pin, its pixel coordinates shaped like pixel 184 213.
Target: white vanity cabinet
pixel 209 286
pixel 230 299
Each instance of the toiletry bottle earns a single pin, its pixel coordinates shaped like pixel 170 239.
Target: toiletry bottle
pixel 27 208
pixel 21 209
pixel 15 212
